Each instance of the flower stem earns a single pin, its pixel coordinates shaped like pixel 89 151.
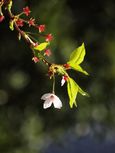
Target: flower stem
pixel 53 89
pixel 25 36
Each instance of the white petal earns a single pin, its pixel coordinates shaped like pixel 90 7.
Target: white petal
pixel 47 104
pixel 45 96
pixel 62 81
pixel 57 102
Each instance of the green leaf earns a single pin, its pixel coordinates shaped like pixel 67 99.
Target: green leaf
pixel 77 56
pixel 41 46
pixel 72 89
pixel 11 25
pixel 10 5
pixel 78 68
pixel 83 93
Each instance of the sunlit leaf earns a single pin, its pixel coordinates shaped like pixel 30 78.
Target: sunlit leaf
pixel 78 68
pixel 11 25
pixel 19 36
pixel 77 56
pixel 72 89
pixel 41 46
pixel 10 5
pixel 83 93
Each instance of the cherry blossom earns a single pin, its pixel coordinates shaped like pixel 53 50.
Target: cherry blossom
pixel 50 99
pixel 49 37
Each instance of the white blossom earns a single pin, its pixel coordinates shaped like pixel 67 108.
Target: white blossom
pixel 50 99
pixel 62 81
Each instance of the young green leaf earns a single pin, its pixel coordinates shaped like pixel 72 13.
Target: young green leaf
pixel 72 89
pixel 41 46
pixel 11 25
pixel 83 93
pixel 78 68
pixel 9 5
pixel 77 56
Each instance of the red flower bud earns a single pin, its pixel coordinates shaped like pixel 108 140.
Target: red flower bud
pixel 35 59
pixel 47 52
pixel 41 28
pixel 67 66
pixel 31 22
pixel 49 37
pixel 26 11
pixel 20 23
pixel 65 77
pixel 2 18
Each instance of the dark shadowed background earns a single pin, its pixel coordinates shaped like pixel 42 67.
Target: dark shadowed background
pixel 25 127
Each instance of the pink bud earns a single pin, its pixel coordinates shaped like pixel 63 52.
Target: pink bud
pixel 2 18
pixel 26 11
pixel 20 23
pixel 49 37
pixel 47 52
pixel 31 22
pixel 35 59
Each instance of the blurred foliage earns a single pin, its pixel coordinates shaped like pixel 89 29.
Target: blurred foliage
pixel 24 126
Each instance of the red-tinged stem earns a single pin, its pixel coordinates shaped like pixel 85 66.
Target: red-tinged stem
pixel 25 37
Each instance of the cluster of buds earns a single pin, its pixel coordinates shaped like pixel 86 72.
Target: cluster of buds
pixel 19 21
pixel 32 23
pixel 41 50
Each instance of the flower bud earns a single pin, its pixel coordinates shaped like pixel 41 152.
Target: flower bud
pixel 35 59
pixel 41 28
pixel 2 18
pixel 47 52
pixel 49 37
pixel 26 11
